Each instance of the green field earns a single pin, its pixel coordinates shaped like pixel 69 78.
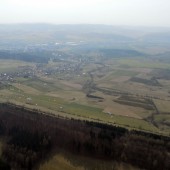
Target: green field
pixel 7 66
pixel 143 63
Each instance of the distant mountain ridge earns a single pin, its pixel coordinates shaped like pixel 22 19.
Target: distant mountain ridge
pixel 21 35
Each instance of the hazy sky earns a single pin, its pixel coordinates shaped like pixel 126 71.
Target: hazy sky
pixel 112 12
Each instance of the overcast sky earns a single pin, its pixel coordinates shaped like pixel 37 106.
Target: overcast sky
pixel 112 12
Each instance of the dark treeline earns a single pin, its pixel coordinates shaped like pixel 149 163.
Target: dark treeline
pixel 4 165
pixel 94 97
pixel 120 53
pixel 38 57
pixel 152 82
pixel 32 135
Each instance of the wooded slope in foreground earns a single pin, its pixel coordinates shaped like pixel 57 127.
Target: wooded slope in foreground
pixel 31 136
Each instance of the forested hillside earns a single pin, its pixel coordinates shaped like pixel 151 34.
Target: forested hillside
pixel 32 135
